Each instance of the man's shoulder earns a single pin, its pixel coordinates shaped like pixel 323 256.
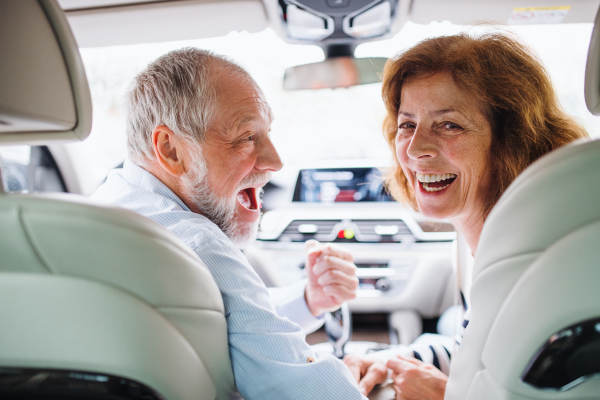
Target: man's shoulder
pixel 159 204
pixel 195 230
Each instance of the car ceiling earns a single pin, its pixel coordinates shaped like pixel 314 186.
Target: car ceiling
pixel 98 23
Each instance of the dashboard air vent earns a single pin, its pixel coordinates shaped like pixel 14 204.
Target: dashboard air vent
pixel 301 230
pixel 382 230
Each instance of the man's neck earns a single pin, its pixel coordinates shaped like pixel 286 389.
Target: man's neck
pixel 173 183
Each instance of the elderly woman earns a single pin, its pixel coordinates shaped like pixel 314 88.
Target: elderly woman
pixel 466 115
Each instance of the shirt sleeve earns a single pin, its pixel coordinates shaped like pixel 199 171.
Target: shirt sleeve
pixel 428 348
pixel 290 303
pixel 433 348
pixel 269 354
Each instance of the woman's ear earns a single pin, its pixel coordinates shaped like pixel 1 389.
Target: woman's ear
pixel 168 151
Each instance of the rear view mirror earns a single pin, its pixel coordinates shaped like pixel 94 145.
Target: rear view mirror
pixel 334 72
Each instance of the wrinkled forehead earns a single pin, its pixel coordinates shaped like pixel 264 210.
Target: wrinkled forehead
pixel 238 97
pixel 467 94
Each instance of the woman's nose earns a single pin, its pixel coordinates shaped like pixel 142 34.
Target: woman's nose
pixel 422 145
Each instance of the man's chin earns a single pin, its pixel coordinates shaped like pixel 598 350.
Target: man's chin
pixel 240 224
pixel 243 234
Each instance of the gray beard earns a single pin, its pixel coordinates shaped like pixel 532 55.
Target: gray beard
pixel 221 210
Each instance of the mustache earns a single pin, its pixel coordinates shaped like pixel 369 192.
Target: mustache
pixel 259 179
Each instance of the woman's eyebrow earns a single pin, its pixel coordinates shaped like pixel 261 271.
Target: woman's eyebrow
pixel 433 113
pixel 406 114
pixel 437 113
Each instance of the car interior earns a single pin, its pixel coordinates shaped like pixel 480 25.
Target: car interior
pixel 88 309
pixel 90 280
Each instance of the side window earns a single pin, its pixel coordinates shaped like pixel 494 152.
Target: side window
pixel 30 169
pixel 14 161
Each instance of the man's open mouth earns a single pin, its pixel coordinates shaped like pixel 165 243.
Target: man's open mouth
pixel 435 182
pixel 250 198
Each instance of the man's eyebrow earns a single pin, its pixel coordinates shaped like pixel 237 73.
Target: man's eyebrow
pixel 244 120
pixel 251 117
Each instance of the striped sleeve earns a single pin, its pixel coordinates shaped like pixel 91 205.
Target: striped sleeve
pixel 437 349
pixel 436 354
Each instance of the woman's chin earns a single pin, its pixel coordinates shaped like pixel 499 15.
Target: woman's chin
pixel 434 211
pixel 435 204
pixel 435 214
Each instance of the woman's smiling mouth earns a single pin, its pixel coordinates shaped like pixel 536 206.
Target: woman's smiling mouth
pixel 435 182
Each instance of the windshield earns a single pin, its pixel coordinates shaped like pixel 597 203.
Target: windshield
pixel 342 123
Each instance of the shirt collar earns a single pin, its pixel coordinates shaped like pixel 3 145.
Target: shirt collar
pixel 144 180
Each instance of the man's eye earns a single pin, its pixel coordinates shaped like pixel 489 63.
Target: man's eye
pixel 250 138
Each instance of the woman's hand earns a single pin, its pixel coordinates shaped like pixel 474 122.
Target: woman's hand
pixel 415 380
pixel 367 371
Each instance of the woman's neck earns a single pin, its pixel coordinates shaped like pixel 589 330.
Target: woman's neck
pixel 470 228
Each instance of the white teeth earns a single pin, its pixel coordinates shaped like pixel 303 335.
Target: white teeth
pixel 432 189
pixel 434 177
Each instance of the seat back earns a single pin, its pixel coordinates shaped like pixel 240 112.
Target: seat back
pixel 534 331
pixel 535 316
pixel 87 292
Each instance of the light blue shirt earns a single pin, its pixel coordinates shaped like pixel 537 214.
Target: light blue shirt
pixel 289 302
pixel 269 354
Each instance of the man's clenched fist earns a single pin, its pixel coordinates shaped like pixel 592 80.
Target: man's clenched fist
pixel 331 277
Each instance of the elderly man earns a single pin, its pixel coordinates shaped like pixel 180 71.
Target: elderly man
pixel 200 152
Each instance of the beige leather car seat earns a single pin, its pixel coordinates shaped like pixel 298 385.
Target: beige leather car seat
pixel 535 322
pixel 94 300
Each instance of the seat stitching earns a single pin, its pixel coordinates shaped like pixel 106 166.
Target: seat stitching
pixel 35 249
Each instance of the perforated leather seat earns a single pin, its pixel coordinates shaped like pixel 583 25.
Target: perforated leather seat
pixel 98 291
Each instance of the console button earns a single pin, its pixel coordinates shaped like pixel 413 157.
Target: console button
pixel 383 284
pixel 338 3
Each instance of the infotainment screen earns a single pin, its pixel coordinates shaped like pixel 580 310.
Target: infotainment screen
pixel 331 185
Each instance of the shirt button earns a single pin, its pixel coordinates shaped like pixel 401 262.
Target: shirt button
pixel 310 360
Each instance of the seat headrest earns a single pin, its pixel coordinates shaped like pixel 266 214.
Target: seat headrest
pixel 554 196
pixel 592 71
pixel 44 94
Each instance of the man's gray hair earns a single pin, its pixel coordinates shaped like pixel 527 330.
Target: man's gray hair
pixel 176 90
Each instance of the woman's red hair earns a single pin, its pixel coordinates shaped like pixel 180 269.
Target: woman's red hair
pixel 513 88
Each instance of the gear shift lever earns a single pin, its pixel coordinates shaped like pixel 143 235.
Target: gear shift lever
pixel 338 326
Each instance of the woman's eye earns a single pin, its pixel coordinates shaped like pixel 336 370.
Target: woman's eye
pixel 250 138
pixel 406 125
pixel 451 126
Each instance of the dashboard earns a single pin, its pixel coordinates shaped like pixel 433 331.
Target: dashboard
pixel 403 261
